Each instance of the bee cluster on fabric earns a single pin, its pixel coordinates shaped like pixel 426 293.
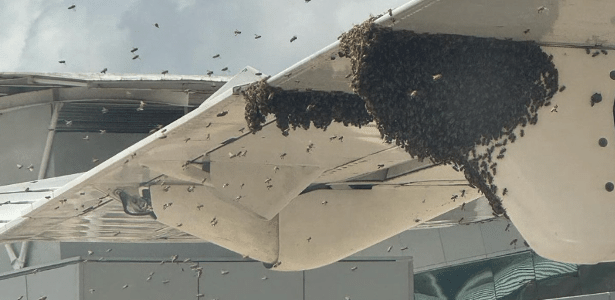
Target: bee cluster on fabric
pixel 301 108
pixel 438 96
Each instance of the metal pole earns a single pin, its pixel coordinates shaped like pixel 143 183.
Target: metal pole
pixel 10 252
pixel 52 130
pixel 21 260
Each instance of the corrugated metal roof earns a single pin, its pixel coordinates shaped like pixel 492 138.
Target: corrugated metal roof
pixel 122 116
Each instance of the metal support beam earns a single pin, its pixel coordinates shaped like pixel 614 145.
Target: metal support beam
pixel 17 262
pixel 52 130
pixel 23 252
pixel 10 252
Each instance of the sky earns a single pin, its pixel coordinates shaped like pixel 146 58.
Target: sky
pixel 98 34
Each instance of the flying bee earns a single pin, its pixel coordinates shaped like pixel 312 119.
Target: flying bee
pixel 216 56
pixel 454 197
pixel 62 61
pixel 224 69
pixel 237 32
pixel 134 50
pixel 165 72
pixel 561 89
pixel 513 242
pixel 72 6
pixel 104 71
pixel 293 38
pixel 135 57
pixel 142 107
pixel 256 36
pixel 437 76
pixel 156 25
pixel 507 226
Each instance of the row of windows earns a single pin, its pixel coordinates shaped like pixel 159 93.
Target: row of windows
pixel 523 275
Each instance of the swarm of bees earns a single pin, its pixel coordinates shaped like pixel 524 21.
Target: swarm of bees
pixel 443 117
pixel 427 96
pixel 301 108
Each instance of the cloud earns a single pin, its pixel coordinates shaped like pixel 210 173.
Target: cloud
pixel 16 20
pixel 100 34
pixel 87 38
pixel 183 4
